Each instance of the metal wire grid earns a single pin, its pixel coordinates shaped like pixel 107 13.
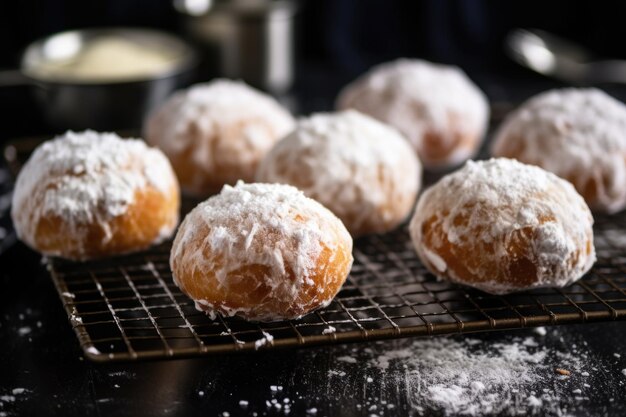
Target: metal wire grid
pixel 129 308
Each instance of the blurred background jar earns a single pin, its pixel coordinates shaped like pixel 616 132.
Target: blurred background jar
pixel 252 40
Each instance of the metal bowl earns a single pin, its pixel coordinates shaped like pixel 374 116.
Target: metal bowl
pixel 79 102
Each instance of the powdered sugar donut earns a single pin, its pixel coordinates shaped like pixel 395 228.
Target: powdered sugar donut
pixel 503 226
pixel 216 133
pixel 362 170
pixel 442 113
pixel 88 195
pixel 578 134
pixel 261 251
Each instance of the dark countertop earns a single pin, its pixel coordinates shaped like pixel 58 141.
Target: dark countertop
pixel 39 353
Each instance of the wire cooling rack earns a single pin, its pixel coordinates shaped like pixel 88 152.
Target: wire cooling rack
pixel 128 308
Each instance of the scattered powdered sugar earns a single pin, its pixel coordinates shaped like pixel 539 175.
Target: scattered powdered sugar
pixel 483 375
pixel 462 376
pixel 419 97
pixel 335 372
pixel 85 178
pixel 530 341
pixel 578 134
pixel 123 374
pixel 267 339
pixel 226 124
pixel 487 207
pixel 329 330
pixel 289 232
pixel 534 401
pixel 449 376
pixel 11 400
pixel 93 350
pixel 352 164
pixel 25 330
pixel 75 319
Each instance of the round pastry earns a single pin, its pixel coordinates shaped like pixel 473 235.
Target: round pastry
pixel 502 226
pixel 442 113
pixel 578 134
pixel 360 169
pixel 216 133
pixel 89 195
pixel 264 252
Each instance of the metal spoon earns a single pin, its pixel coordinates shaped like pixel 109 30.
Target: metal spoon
pixel 553 56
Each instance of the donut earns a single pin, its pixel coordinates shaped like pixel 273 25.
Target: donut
pixel 503 226
pixel 216 133
pixel 442 113
pixel 90 195
pixel 362 170
pixel 264 252
pixel 578 134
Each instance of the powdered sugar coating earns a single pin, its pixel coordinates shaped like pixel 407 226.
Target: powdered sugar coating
pixel 362 170
pixel 578 134
pixel 423 99
pixel 217 132
pixel 85 179
pixel 272 228
pixel 495 217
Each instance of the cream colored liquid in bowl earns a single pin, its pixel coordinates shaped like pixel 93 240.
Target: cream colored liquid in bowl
pixel 111 58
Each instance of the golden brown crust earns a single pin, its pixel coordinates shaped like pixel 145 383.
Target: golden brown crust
pixel 439 151
pixel 502 226
pixel 360 169
pixel 88 195
pixel 216 133
pixel 360 215
pixel 577 134
pixel 151 215
pixel 588 186
pixel 518 271
pixel 248 290
pixel 227 164
pixel 263 252
pixel 440 111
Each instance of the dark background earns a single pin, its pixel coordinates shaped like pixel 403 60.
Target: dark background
pixel 352 35
pixel 338 39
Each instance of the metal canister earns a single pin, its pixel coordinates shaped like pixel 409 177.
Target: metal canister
pixel 250 40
